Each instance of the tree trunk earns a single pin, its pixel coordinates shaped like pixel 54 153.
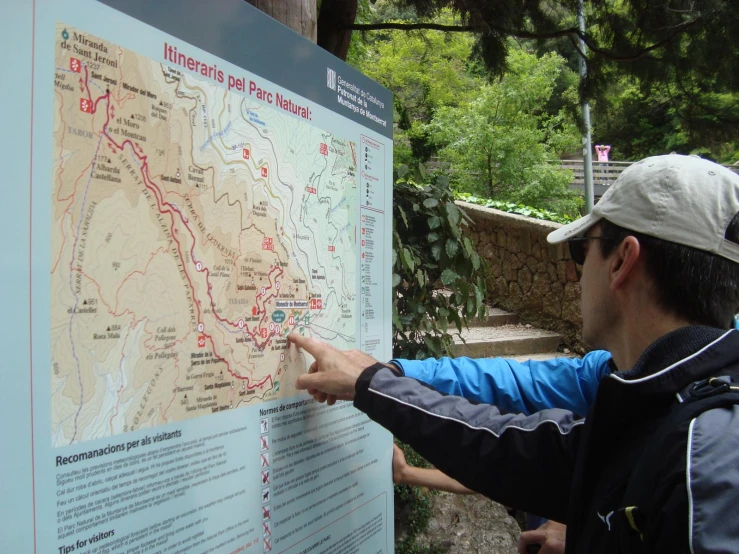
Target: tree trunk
pixel 299 15
pixel 490 176
pixel 334 18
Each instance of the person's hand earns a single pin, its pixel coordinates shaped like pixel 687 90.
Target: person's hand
pixel 550 536
pixel 399 465
pixel 333 375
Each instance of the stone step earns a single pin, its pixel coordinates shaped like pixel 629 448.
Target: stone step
pixel 507 341
pixel 495 317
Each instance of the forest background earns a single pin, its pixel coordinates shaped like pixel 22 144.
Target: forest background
pixel 503 124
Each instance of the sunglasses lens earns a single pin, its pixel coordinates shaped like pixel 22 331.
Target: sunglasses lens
pixel 577 251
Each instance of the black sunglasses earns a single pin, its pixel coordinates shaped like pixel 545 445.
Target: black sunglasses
pixel 577 247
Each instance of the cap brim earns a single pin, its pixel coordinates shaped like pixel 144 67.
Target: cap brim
pixel 574 229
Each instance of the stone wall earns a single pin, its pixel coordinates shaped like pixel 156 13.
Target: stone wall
pixel 528 276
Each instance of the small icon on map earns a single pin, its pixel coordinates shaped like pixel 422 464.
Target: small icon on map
pixel 264 443
pixel 265 495
pixel 266 528
pixel 267 544
pixel 265 459
pixel 75 65
pixel 65 34
pixel 266 515
pixel 265 477
pixel 264 425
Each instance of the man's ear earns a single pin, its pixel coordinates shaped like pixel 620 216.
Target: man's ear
pixel 623 261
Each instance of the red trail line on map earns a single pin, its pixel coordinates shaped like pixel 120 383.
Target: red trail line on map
pixel 165 208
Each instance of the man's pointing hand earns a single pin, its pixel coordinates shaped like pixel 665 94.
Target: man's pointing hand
pixel 333 375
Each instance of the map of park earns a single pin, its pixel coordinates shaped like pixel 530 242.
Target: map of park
pixel 192 229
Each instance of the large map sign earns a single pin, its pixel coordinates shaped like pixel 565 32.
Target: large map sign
pixel 189 183
pixel 193 228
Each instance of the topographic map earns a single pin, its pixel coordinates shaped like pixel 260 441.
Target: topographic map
pixel 192 229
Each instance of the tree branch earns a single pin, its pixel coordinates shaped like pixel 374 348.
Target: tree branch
pixel 639 53
pixel 572 32
pixel 462 29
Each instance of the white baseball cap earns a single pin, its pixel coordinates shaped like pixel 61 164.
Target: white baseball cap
pixel 681 199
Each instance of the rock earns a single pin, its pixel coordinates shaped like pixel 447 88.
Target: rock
pixel 524 242
pixel 470 524
pixel 512 244
pixel 524 279
pixel 552 305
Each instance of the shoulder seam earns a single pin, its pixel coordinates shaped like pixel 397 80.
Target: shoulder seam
pixel 474 428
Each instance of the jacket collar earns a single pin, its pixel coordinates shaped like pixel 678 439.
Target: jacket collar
pixel 678 358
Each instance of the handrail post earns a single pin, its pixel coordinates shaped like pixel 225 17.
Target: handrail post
pixel 587 148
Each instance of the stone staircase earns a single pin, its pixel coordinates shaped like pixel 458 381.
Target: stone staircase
pixel 470 524
pixel 501 334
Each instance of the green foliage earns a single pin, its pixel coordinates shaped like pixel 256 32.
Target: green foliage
pixel 425 70
pixel 640 121
pixel 431 252
pixel 520 209
pixel 694 42
pixel 662 74
pixel 501 144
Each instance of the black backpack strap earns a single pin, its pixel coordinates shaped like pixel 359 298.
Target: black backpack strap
pixel 697 398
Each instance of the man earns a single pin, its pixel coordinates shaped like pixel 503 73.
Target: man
pixel 660 286
pixel 512 386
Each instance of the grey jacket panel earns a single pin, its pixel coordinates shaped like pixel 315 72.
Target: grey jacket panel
pixel 479 417
pixel 712 469
pixel 518 460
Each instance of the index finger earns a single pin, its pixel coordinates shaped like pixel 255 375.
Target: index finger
pixel 313 347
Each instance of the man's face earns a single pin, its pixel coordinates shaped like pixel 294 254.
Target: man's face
pixel 596 302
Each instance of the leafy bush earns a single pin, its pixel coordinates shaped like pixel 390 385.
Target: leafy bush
pixel 502 145
pixel 520 209
pixel 438 277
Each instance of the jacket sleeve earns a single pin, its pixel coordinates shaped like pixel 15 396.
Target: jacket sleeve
pixel 522 387
pixel 704 500
pixel 517 460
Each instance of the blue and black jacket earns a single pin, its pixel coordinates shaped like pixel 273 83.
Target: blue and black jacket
pixel 578 471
